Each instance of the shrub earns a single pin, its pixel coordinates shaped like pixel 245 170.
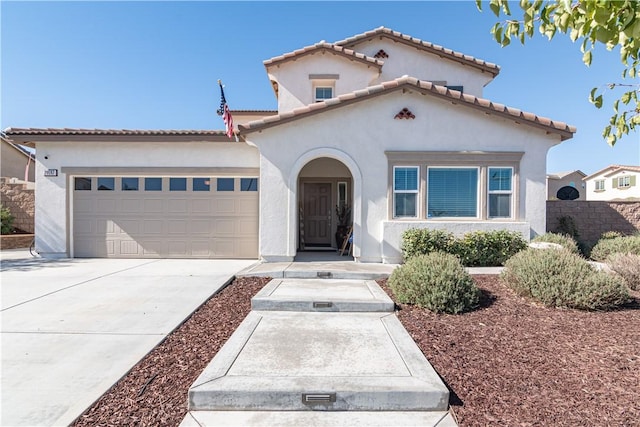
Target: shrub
pixel 627 266
pixel 420 241
pixel 617 245
pixel 611 235
pixel 563 279
pixel 6 220
pixel 564 240
pixel 567 225
pixel 489 248
pixel 437 282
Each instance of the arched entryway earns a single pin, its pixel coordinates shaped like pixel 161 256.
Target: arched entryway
pixel 325 205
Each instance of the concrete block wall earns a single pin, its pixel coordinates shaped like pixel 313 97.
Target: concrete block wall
pixel 21 203
pixel 592 218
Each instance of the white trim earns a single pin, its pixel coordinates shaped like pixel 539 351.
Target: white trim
pixel 416 191
pixel 509 192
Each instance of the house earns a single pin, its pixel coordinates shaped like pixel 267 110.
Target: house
pixel 615 182
pixel 561 180
pixel 389 126
pixel 17 164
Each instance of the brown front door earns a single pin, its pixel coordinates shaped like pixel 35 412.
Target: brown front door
pixel 317 213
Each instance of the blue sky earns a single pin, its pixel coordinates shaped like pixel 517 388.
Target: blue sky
pixel 155 65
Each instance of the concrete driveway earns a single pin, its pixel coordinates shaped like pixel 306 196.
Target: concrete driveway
pixel 72 328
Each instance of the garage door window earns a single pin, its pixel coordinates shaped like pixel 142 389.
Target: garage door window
pixel 129 184
pixel 153 184
pixel 82 184
pixel 177 184
pixel 248 184
pixel 225 184
pixel 106 184
pixel 201 184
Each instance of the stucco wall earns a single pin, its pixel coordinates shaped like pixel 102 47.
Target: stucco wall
pixel 592 218
pixel 407 60
pixel 358 135
pixel 554 184
pixel 20 201
pixel 611 193
pixel 53 198
pixel 14 163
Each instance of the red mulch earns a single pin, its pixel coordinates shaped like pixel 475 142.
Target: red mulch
pixel 516 363
pixel 154 392
pixel 510 363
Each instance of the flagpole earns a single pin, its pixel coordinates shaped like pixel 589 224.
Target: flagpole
pixel 224 106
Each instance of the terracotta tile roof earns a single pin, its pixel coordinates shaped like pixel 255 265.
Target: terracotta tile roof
pixel 427 46
pixel 613 169
pixel 564 130
pixel 324 46
pixel 29 136
pixel 255 111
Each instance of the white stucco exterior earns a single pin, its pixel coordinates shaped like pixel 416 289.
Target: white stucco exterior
pixel 614 183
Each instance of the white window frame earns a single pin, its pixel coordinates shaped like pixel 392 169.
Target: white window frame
pixel 416 191
pixel 478 193
pixel 509 192
pixel 624 181
pixel 315 92
pixel 599 184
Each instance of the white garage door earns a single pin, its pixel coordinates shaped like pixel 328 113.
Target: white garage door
pixel 165 217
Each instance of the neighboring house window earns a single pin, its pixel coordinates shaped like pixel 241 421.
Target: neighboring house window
pixel 82 184
pixel 599 185
pixel 106 184
pixel 624 182
pixel 322 93
pixel 248 184
pixel 405 191
pixel 500 192
pixel 452 192
pixel 129 184
pixel 153 184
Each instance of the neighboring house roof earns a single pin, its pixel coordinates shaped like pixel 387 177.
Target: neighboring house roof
pixel 17 147
pixel 327 47
pixel 612 170
pixel 561 175
pixel 29 135
pixel 564 130
pixel 423 45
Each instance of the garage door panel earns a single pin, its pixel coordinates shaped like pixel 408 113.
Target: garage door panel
pixel 175 224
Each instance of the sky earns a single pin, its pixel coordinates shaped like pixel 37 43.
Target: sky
pixel 155 65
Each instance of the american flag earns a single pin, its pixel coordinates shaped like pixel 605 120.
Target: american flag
pixel 226 114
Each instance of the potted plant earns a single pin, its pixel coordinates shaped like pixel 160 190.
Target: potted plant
pixel 343 213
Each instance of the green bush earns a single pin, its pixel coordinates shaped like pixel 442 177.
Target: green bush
pixel 478 248
pixel 618 245
pixel 563 279
pixel 420 241
pixel 437 282
pixel 611 235
pixel 567 225
pixel 627 266
pixel 6 220
pixel 489 248
pixel 564 240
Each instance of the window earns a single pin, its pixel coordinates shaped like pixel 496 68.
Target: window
pixel 129 184
pixel 342 194
pixel 248 184
pixel 458 88
pixel 201 184
pixel 82 184
pixel 624 181
pixel 500 191
pixel 322 93
pixel 405 191
pixel 153 184
pixel 106 184
pixel 225 184
pixel 452 192
pixel 599 185
pixel 177 184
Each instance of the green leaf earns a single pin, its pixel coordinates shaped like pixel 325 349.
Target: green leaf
pixel 625 98
pixel 615 106
pixel 506 40
pixel 592 94
pixel 479 5
pixel 586 58
pixel 598 101
pixel 505 8
pixel 495 7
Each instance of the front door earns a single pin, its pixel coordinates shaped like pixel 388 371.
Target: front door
pixel 317 213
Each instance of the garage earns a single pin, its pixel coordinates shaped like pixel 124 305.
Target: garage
pixel 136 216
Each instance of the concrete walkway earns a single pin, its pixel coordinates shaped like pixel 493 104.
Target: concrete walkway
pixel 320 352
pixel 72 328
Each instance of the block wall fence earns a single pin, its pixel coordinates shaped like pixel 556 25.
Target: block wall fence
pixel 592 218
pixel 21 203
